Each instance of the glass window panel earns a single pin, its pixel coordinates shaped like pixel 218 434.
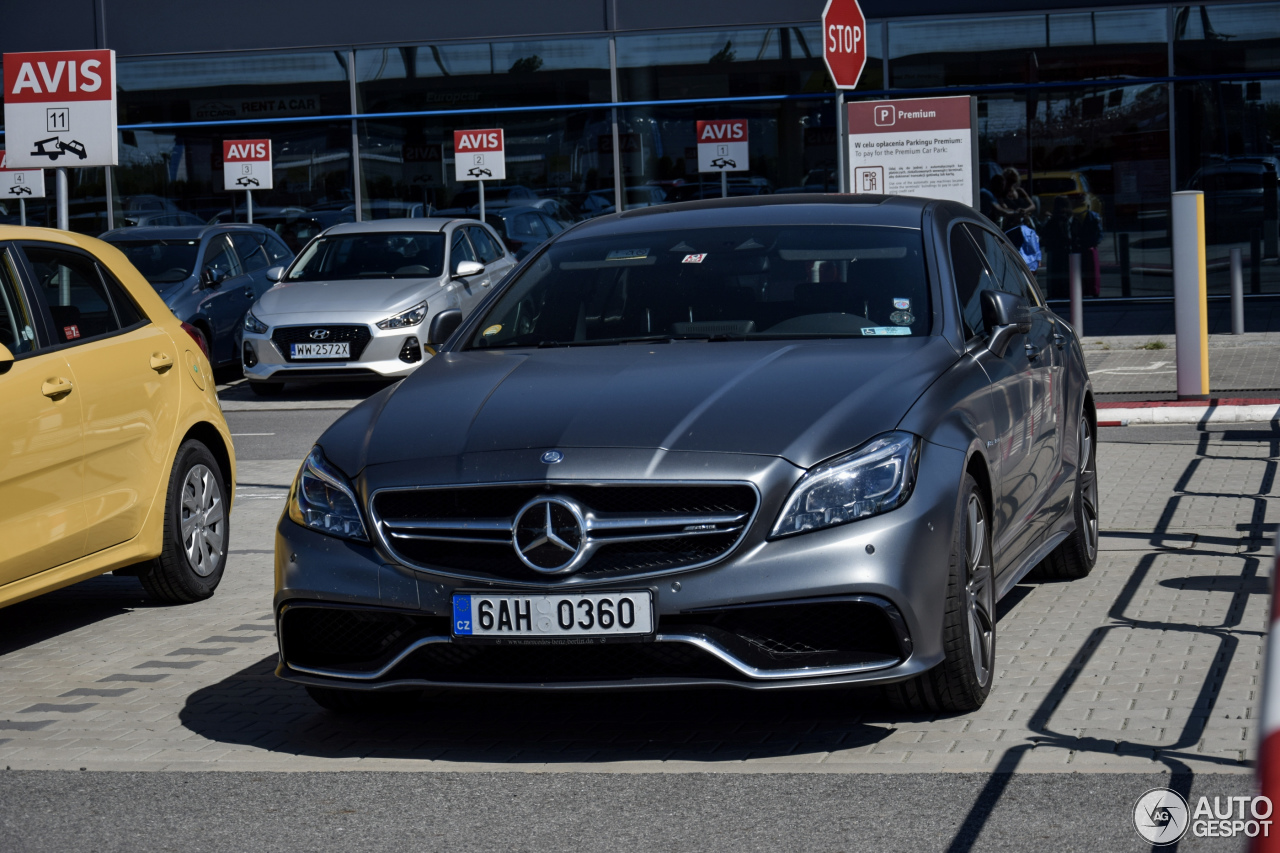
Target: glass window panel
pixel 1226 39
pixel 73 291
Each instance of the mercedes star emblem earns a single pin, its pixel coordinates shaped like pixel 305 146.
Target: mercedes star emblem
pixel 549 535
pixel 551 457
pixel 319 334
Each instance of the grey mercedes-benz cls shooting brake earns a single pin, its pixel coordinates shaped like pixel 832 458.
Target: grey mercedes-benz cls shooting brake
pixel 762 442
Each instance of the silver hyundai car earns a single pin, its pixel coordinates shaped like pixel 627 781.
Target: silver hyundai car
pixel 353 303
pixel 767 442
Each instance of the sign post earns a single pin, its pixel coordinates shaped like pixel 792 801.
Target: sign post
pixel 844 50
pixel 925 147
pixel 479 155
pixel 723 148
pixel 60 111
pixel 21 184
pixel 246 165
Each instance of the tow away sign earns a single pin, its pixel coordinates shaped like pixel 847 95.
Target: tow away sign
pixel 479 155
pixel 722 146
pixel 60 109
pixel 19 183
pixel 246 164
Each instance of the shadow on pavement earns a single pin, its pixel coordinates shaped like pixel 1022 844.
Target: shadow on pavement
pixel 71 608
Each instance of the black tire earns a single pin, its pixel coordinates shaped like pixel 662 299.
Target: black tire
pixel 361 701
pixel 1078 553
pixel 962 681
pixel 267 389
pixel 190 566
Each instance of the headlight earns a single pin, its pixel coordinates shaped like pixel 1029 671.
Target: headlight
pixel 253 324
pixel 875 478
pixel 323 500
pixel 412 317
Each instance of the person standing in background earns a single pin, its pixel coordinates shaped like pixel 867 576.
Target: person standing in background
pixel 1055 238
pixel 1086 229
pixel 1016 200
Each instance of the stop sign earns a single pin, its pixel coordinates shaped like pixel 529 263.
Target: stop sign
pixel 844 41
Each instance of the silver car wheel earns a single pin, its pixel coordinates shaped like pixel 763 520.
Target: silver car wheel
pixel 1088 489
pixel 979 590
pixel 201 519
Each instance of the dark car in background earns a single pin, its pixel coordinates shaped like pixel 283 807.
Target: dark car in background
pixel 1235 196
pixel 756 443
pixel 523 229
pixel 208 275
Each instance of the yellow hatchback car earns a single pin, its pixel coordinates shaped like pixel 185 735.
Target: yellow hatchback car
pixel 114 454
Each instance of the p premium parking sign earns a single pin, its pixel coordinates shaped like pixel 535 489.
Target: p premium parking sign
pixel 60 109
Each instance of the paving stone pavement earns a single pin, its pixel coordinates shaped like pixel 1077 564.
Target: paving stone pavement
pixel 1151 664
pixel 1122 364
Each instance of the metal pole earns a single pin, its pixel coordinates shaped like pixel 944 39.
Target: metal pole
pixel 248 206
pixel 1255 260
pixel 1237 292
pixel 1077 293
pixel 481 183
pixel 1126 275
pixel 1191 318
pixel 617 152
pixel 22 211
pixel 356 191
pixel 63 193
pixel 724 184
pixel 111 206
pixel 842 143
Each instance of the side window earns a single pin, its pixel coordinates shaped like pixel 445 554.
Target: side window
pixel 127 311
pixel 529 225
pixel 277 251
pixel 17 325
pixel 77 298
pixel 461 250
pixel 484 245
pixel 1005 268
pixel 250 251
pixel 218 255
pixel 971 276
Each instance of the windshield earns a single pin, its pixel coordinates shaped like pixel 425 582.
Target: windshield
pixel 738 283
pixel 378 255
pixel 161 262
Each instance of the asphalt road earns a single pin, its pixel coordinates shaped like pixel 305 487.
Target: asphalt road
pixel 464 812
pixel 283 434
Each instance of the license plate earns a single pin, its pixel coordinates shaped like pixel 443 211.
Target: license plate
pixel 342 350
pixel 593 617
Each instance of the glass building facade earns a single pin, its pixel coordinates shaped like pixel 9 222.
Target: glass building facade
pixel 1115 108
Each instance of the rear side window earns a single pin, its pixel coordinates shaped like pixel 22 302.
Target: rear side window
pixel 250 250
pixel 276 249
pixel 1004 267
pixel 17 327
pixel 484 245
pixel 80 299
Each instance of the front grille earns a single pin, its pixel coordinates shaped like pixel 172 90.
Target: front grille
pixel 637 529
pixel 357 336
pixel 349 638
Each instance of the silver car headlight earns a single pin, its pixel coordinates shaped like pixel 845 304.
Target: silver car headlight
pixel 875 478
pixel 412 317
pixel 323 500
pixel 253 324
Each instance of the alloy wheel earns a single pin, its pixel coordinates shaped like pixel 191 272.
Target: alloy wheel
pixel 202 518
pixel 1089 489
pixel 979 590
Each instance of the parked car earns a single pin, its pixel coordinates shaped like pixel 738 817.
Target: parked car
pixel 1235 197
pixel 141 220
pixel 298 229
pixel 354 303
pixel 755 442
pixel 115 453
pixel 523 229
pixel 1074 185
pixel 468 200
pixel 208 275
pixel 560 211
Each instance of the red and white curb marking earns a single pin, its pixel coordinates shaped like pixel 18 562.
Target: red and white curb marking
pixel 1267 767
pixel 1218 411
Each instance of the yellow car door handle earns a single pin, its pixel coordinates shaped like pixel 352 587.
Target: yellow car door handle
pixel 55 387
pixel 161 361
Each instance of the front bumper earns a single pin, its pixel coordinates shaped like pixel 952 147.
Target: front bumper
pixel 859 603
pixel 264 360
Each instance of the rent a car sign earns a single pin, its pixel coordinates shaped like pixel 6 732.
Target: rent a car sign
pixel 246 164
pixel 479 155
pixel 915 147
pixel 722 146
pixel 60 109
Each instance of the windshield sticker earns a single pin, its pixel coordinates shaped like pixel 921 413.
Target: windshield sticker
pixel 627 255
pixel 492 330
pixel 885 330
pixel 694 259
pixel 902 304
pixel 902 318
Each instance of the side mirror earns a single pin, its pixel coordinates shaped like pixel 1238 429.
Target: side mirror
pixel 275 273
pixel 443 325
pixel 6 358
pixel 466 269
pixel 212 277
pixel 1003 316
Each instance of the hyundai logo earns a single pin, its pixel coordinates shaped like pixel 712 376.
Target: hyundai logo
pixel 551 457
pixel 550 536
pixel 319 334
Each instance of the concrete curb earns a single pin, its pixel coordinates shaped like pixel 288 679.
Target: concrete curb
pixel 1156 413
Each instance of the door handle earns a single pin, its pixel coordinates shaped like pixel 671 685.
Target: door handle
pixel 56 387
pixel 1033 352
pixel 1059 340
pixel 161 361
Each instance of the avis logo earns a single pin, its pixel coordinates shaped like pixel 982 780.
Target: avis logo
pixel 63 78
pixel 480 140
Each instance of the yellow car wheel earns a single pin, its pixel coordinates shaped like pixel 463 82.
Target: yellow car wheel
pixel 197 528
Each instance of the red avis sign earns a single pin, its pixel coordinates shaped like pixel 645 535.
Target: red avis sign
pixel 478 155
pixel 246 150
pixel 724 130
pixel 65 75
pixel 844 41
pixel 468 141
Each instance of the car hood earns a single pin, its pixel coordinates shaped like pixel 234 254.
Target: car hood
pixel 802 401
pixel 379 296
